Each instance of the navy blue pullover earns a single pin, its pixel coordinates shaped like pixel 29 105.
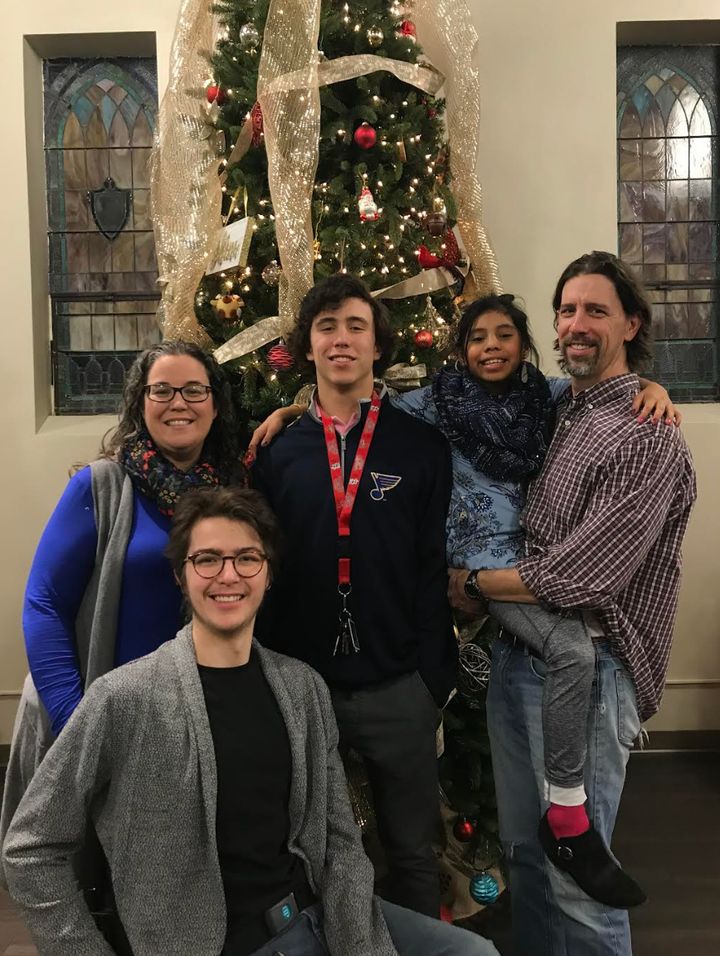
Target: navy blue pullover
pixel 399 569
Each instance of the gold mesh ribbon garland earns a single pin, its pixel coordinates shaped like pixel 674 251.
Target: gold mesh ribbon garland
pixel 448 24
pixel 288 91
pixel 185 190
pixel 291 121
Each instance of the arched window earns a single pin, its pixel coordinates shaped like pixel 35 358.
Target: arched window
pixel 667 205
pixel 99 122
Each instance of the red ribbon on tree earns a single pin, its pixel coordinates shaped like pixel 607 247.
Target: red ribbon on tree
pixel 449 260
pixel 256 118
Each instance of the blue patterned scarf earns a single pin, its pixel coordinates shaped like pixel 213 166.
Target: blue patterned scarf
pixel 504 435
pixel 157 478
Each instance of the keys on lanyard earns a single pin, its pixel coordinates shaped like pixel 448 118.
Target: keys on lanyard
pixel 347 640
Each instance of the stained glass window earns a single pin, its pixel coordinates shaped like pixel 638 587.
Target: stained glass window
pixel 99 122
pixel 668 218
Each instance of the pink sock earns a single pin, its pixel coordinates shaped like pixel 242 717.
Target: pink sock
pixel 567 821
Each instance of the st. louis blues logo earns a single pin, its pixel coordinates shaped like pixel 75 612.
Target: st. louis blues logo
pixel 383 483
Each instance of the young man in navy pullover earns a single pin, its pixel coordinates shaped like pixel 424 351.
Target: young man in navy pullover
pixel 361 490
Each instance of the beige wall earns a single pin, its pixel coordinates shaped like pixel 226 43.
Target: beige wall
pixel 548 171
pixel 37 449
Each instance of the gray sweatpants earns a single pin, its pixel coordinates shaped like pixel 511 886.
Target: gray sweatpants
pixel 568 653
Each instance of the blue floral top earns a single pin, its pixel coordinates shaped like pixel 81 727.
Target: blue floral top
pixel 483 524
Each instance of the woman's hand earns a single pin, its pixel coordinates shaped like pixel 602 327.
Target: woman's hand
pixel 654 402
pixel 272 426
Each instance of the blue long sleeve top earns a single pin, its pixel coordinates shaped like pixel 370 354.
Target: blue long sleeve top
pixel 150 609
pixel 483 523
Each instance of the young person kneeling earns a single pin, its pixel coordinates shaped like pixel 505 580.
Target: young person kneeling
pixel 210 771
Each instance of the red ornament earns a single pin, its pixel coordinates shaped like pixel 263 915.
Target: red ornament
pixel 365 136
pixel 431 112
pixel 215 94
pixel 256 118
pixel 424 339
pixel 408 29
pixel 279 358
pixel 448 259
pixel 427 260
pixel 464 830
pixel 452 249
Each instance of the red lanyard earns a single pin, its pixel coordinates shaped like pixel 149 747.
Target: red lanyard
pixel 344 504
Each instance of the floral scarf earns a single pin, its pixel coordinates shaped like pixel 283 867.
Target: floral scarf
pixel 160 480
pixel 506 435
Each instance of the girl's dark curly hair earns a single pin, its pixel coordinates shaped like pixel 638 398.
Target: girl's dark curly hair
pixel 221 445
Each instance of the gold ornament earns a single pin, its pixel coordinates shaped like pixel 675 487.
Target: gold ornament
pixel 228 307
pixel 271 273
pixel 375 36
pixel 437 325
pixel 317 250
pixel 249 37
pixel 304 395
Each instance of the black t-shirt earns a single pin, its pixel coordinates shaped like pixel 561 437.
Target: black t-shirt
pixel 254 769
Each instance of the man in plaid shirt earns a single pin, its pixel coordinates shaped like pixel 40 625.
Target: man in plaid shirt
pixel 604 524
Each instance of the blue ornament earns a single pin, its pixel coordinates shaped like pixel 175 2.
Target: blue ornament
pixel 484 888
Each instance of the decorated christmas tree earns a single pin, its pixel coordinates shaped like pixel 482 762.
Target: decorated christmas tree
pixel 306 137
pixel 336 158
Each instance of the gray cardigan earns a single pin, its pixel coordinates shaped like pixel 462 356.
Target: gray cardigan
pixel 138 753
pixel 95 629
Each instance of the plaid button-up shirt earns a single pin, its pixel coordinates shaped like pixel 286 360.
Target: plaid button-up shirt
pixel 604 523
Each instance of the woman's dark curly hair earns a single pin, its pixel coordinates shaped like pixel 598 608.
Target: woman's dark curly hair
pixel 221 445
pixel 330 294
pixel 507 304
pixel 638 350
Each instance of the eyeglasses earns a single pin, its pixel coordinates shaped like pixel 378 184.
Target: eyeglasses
pixel 208 564
pixel 162 392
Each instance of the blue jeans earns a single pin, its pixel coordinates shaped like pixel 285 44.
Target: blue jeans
pixel 412 933
pixel 551 916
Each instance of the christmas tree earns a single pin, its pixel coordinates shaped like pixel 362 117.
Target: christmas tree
pixel 382 203
pixel 338 155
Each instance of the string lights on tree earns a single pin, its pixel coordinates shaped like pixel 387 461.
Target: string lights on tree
pixel 382 190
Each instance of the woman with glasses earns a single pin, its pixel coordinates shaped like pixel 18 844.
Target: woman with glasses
pixel 101 592
pixel 176 431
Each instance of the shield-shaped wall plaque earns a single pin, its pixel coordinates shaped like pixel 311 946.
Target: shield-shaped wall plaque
pixel 110 208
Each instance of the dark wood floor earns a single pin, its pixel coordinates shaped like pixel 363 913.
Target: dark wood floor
pixel 668 836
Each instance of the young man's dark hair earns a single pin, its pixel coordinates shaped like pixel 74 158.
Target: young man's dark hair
pixel 632 298
pixel 330 294
pixel 235 504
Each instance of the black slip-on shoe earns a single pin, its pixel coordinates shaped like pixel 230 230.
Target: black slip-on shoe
pixel 586 859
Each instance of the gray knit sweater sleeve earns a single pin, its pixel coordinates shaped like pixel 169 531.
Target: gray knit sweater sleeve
pixel 45 833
